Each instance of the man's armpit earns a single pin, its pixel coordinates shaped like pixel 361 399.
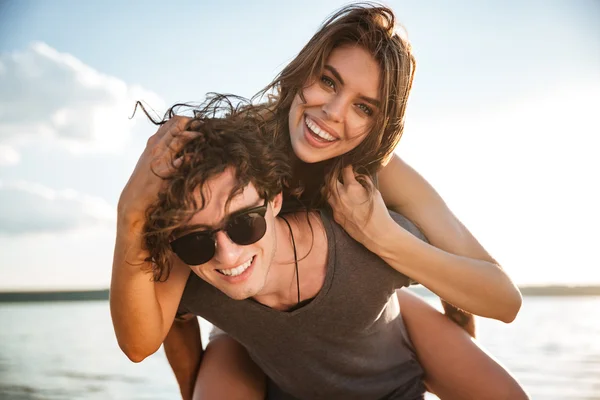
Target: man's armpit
pixel 183 316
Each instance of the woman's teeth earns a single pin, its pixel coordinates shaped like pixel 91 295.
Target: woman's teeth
pixel 314 128
pixel 237 270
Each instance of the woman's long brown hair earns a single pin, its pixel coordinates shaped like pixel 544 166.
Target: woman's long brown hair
pixel 373 27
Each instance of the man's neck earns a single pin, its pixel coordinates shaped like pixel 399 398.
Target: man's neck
pixel 281 288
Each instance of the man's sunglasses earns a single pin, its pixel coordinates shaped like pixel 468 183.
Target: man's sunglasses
pixel 243 227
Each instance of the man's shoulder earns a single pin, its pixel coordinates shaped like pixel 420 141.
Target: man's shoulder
pixel 408 225
pixel 329 222
pixel 353 256
pixel 400 219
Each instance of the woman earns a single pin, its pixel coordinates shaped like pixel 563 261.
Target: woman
pixel 342 101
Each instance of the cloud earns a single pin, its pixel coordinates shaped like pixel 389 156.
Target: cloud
pixel 48 95
pixel 8 156
pixel 33 208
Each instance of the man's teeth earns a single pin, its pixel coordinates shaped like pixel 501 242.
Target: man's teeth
pixel 318 131
pixel 237 270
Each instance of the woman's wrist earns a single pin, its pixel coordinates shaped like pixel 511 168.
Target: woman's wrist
pixel 129 240
pixel 383 238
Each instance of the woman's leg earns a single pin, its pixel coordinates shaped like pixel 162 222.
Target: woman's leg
pixel 228 372
pixel 455 366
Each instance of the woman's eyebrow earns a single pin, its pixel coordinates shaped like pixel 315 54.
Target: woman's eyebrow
pixel 335 73
pixel 371 101
pixel 337 76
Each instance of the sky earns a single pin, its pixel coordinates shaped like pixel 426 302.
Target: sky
pixel 501 119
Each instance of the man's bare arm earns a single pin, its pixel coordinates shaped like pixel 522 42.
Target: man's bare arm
pixel 183 347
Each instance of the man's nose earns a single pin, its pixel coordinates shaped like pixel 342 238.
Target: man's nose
pixel 227 252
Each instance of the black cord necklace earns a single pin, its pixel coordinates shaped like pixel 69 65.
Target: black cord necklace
pixel 295 256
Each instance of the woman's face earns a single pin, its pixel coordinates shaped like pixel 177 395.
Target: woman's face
pixel 340 106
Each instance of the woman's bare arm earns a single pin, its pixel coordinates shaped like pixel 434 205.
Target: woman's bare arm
pixel 408 193
pixel 455 266
pixel 405 191
pixel 142 311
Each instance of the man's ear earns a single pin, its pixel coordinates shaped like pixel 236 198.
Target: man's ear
pixel 277 203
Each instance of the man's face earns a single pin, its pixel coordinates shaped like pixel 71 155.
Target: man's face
pixel 239 271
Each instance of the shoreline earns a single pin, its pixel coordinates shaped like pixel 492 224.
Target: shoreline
pixel 103 294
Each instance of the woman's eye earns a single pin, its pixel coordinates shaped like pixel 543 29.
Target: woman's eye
pixel 328 81
pixel 366 109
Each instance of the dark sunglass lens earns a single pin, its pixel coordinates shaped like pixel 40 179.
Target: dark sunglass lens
pixel 247 229
pixel 194 249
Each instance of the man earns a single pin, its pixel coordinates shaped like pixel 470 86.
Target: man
pixel 315 309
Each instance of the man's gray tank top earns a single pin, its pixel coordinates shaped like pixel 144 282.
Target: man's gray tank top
pixel 349 342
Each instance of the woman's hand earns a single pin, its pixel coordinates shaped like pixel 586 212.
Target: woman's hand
pixel 362 214
pixel 156 162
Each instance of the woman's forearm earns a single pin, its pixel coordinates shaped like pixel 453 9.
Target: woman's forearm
pixel 476 286
pixel 142 310
pixel 135 311
pixel 405 191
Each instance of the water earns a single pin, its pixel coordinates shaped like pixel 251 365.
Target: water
pixel 68 351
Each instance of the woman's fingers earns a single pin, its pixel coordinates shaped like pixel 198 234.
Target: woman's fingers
pixel 167 162
pixel 339 189
pixel 167 167
pixel 179 140
pixel 164 145
pixel 174 125
pixel 348 175
pixel 177 123
pixel 166 133
pixel 334 194
pixel 335 202
pixel 354 182
pixel 177 162
pixel 158 161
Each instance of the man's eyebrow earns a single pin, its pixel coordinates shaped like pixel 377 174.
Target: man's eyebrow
pixel 185 230
pixel 337 76
pixel 196 227
pixel 259 203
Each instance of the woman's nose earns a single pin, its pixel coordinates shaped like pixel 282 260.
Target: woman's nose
pixel 335 108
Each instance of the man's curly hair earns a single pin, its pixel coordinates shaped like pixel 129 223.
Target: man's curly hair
pixel 230 136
